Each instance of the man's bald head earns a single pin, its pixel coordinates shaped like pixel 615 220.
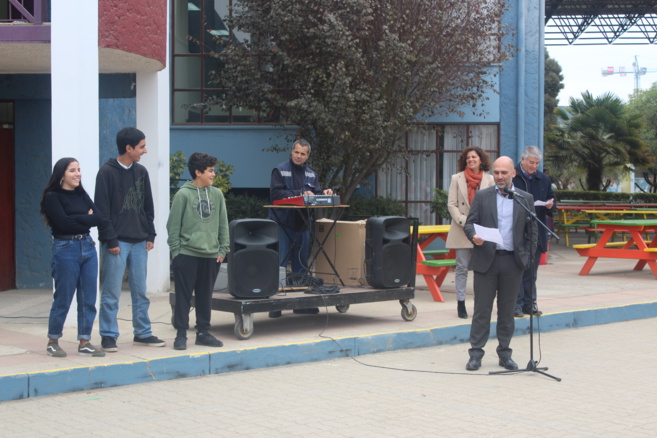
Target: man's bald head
pixel 503 172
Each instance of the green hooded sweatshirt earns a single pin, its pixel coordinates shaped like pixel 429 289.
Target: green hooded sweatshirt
pixel 198 223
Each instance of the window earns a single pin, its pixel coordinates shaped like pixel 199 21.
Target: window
pixel 199 34
pixel 432 156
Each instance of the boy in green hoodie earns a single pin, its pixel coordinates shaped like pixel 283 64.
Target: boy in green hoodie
pixel 198 240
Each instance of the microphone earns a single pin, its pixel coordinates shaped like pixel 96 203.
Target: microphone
pixel 513 192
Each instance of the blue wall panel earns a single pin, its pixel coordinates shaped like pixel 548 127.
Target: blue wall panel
pixel 117 109
pixel 520 90
pixel 115 114
pixel 33 168
pixel 16 87
pixel 243 147
pixel 33 144
pixel 490 106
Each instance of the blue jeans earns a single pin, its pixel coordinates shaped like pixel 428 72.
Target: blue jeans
pixel 74 267
pixel 293 246
pixel 135 257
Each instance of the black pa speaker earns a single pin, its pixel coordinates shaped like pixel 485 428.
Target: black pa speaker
pixel 388 252
pixel 253 258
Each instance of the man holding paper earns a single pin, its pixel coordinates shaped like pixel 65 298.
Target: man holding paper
pixel 498 267
pixel 532 180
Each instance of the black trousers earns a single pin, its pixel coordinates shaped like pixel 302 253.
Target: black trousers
pixel 527 293
pixel 193 275
pixel 502 282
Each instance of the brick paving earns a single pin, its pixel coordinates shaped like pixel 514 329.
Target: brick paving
pixel 612 292
pixel 607 373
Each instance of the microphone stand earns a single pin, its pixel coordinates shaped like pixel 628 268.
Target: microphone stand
pixel 532 365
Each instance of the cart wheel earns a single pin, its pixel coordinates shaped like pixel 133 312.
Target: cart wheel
pixel 342 308
pixel 408 312
pixel 243 326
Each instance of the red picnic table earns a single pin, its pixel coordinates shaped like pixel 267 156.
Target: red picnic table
pixel 636 248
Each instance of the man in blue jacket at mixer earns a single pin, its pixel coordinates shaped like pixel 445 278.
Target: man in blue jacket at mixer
pixel 289 179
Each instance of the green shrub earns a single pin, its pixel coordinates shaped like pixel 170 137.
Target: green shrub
pixel 644 198
pixel 439 204
pixel 222 176
pixel 244 206
pixel 178 165
pixel 610 197
pixel 580 195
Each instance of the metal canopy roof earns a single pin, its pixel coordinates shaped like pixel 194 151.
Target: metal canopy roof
pixel 600 22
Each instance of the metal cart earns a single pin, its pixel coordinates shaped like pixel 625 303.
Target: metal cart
pixel 243 309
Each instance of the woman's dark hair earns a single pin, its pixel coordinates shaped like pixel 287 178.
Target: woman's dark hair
pixel 483 156
pixel 55 181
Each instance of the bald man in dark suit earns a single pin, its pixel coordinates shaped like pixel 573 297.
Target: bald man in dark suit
pixel 498 268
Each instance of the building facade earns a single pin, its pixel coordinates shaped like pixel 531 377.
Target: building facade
pixel 70 80
pixel 71 75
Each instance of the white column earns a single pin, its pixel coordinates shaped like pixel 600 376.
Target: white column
pixel 153 120
pixel 74 81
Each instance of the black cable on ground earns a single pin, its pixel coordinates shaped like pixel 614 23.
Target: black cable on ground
pixel 342 350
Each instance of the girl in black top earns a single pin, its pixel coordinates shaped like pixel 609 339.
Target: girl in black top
pixel 70 213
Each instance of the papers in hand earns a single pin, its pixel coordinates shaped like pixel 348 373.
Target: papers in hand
pixel 542 203
pixel 488 234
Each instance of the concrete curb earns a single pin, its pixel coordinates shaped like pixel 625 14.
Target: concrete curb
pixel 36 384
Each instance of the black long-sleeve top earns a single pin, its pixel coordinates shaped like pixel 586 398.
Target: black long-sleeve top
pixel 67 213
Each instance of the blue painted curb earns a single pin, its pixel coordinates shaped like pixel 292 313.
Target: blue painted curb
pixel 26 385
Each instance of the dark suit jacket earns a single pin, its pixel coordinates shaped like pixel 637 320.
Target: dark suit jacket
pixel 541 189
pixel 483 211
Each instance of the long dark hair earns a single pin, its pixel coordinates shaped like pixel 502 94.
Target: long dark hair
pixel 55 181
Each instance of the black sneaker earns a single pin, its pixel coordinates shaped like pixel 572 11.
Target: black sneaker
pixel 89 350
pixel 534 311
pixel 55 350
pixel 518 313
pixel 180 343
pixel 151 341
pixel 109 344
pixel 206 339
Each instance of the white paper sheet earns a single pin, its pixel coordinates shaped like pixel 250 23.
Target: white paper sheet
pixel 542 203
pixel 488 234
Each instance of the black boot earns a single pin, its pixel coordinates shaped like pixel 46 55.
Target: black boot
pixel 460 308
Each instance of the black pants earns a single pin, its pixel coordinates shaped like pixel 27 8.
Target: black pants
pixel 501 281
pixel 527 293
pixel 194 275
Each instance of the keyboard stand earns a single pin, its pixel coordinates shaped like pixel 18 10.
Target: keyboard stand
pixel 307 218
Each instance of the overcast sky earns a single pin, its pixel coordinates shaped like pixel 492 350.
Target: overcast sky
pixel 582 65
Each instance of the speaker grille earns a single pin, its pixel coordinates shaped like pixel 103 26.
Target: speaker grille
pixel 395 264
pixel 253 258
pixel 388 256
pixel 254 273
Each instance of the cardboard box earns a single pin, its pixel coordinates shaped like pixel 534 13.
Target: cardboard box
pixel 346 249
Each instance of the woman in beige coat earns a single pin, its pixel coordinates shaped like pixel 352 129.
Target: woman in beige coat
pixel 473 163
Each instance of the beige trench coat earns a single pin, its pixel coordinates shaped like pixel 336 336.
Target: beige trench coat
pixel 459 207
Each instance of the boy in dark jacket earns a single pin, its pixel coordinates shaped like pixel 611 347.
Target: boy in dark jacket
pixel 123 195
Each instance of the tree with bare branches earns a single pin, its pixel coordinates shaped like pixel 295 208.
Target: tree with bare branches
pixel 355 75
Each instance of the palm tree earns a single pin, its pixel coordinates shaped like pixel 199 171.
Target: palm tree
pixel 597 134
